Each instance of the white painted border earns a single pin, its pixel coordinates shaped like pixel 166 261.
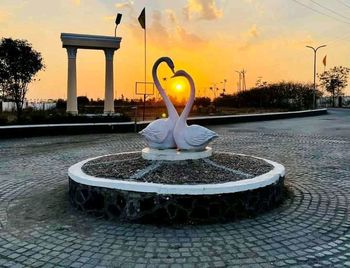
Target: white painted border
pixel 75 173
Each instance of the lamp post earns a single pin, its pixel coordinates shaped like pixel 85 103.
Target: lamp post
pixel 315 52
pixel 117 22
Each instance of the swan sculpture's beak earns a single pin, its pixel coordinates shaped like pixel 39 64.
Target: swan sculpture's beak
pixel 175 74
pixel 179 73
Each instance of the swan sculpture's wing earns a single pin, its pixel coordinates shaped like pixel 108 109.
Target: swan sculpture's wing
pixel 196 135
pixel 156 131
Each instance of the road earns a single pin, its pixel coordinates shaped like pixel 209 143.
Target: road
pixel 38 228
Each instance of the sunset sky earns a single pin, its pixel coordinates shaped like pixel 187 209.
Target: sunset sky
pixel 207 38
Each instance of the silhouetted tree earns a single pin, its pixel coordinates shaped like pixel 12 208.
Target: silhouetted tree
pixel 61 104
pixel 287 95
pixel 83 101
pixel 202 101
pixel 260 83
pixel 19 63
pixel 334 81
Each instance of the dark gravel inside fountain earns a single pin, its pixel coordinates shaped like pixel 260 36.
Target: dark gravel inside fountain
pixel 120 167
pixel 246 164
pixel 219 168
pixel 190 172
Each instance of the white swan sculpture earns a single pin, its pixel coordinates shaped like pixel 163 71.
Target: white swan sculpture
pixel 159 133
pixel 194 137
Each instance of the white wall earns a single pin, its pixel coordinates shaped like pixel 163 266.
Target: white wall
pixel 10 106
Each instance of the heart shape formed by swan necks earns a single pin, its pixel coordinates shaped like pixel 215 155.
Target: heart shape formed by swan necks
pixel 174 132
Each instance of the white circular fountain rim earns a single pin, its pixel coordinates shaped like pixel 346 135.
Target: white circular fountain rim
pixel 75 173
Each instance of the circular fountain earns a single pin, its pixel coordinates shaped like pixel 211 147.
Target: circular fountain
pixel 222 187
pixel 189 184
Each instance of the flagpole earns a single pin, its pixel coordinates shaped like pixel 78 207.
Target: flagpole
pixel 145 53
pixel 144 96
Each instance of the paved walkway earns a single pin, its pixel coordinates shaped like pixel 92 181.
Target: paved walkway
pixel 39 228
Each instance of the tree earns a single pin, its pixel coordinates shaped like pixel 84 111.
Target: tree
pixel 61 104
pixel 19 63
pixel 260 83
pixel 335 80
pixel 82 101
pixel 202 101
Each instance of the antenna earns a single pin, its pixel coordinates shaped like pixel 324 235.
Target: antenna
pixel 244 86
pixel 239 83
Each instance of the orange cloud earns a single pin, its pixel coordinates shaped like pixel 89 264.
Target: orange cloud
pixel 189 39
pixel 254 31
pixel 158 33
pixel 175 35
pixel 124 5
pixel 249 37
pixel 204 9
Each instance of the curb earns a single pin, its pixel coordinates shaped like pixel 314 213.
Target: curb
pixel 16 131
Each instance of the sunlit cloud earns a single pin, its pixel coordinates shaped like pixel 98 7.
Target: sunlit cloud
pixel 171 16
pixel 249 37
pixel 254 31
pixel 202 9
pixel 184 36
pixel 189 39
pixel 108 18
pixel 125 5
pixel 158 32
pixel 166 31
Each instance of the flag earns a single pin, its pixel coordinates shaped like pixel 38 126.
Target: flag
pixel 325 61
pixel 142 18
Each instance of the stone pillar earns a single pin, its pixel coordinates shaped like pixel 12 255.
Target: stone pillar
pixel 109 84
pixel 72 106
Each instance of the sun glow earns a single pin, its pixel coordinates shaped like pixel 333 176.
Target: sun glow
pixel 179 87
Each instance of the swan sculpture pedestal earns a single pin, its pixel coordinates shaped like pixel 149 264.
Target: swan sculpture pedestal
pixel 175 155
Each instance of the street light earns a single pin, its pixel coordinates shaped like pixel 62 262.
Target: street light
pixel 117 22
pixel 315 51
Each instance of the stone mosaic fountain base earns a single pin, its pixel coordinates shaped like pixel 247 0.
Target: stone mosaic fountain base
pixel 219 188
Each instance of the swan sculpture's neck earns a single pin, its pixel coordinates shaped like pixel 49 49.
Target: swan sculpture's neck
pixel 170 107
pixel 185 113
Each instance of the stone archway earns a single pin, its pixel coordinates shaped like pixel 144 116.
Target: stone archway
pixel 73 42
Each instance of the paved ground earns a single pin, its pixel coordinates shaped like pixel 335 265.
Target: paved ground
pixel 39 228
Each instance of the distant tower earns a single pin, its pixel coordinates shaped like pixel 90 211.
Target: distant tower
pixel 239 83
pixel 244 86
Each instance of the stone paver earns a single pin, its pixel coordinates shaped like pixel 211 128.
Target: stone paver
pixel 38 228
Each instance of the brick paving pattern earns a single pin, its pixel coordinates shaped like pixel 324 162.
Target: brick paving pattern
pixel 38 228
